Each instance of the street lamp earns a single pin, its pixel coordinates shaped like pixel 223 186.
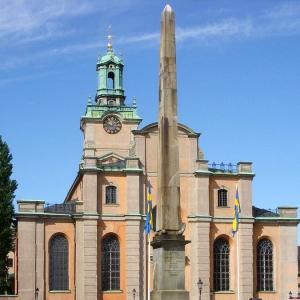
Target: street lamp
pixel 200 285
pixel 134 293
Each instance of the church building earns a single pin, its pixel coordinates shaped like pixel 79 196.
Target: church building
pixel 92 246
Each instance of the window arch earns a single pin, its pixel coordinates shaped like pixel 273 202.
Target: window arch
pixel 111 80
pixel 111 194
pixel 58 263
pixel 222 197
pixel 264 265
pixel 110 263
pixel 221 265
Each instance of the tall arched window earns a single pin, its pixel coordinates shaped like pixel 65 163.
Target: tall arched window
pixel 58 263
pixel 221 265
pixel 110 194
pixel 222 197
pixel 264 265
pixel 110 264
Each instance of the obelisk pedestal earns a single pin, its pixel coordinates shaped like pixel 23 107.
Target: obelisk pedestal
pixel 169 266
pixel 168 243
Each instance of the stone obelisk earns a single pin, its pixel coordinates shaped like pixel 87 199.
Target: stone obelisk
pixel 168 243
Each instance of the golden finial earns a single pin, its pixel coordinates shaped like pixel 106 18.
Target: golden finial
pixel 109 37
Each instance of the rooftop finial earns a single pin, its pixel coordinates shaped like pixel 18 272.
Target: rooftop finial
pixel 109 37
pixel 134 101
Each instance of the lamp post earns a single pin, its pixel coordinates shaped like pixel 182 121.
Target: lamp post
pixel 200 285
pixel 134 293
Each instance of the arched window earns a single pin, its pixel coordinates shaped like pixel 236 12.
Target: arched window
pixel 264 265
pixel 111 195
pixel 111 80
pixel 222 197
pixel 221 265
pixel 58 263
pixel 110 264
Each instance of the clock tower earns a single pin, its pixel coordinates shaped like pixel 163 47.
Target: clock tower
pixel 108 122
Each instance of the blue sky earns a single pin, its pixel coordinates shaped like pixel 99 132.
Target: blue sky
pixel 238 83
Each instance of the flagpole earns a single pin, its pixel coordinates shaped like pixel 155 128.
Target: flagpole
pixel 238 264
pixel 148 267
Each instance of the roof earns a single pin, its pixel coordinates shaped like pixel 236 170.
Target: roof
pixel 183 127
pixel 261 212
pixel 110 57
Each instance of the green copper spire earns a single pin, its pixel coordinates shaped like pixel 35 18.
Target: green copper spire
pixel 110 96
pixel 110 77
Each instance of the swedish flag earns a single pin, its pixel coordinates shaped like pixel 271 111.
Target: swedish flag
pixel 237 210
pixel 149 218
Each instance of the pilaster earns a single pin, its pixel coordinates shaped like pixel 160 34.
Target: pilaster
pixel 26 259
pixel 90 201
pixel 287 260
pixel 134 258
pixel 90 267
pixel 79 263
pixel 199 202
pixel 134 186
pixel 245 260
pixel 245 188
pixel 40 261
pixel 31 265
pixel 200 259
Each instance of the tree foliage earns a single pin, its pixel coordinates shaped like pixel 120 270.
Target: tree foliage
pixel 7 189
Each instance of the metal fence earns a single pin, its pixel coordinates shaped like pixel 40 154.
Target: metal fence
pixel 222 167
pixel 65 208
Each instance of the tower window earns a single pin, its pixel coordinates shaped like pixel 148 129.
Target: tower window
pixel 221 265
pixel 110 194
pixel 265 265
pixel 110 264
pixel 111 80
pixel 111 102
pixel 222 197
pixel 58 263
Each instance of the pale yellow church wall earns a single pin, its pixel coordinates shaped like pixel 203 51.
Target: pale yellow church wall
pixel 187 151
pixel 272 233
pixel 228 183
pixel 105 143
pixel 119 181
pixel 53 227
pixel 117 228
pixel 77 193
pixel 224 230
pixel 151 153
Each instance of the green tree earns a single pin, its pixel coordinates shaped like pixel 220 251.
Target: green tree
pixel 7 189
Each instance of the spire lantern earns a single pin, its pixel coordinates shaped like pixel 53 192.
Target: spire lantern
pixel 110 77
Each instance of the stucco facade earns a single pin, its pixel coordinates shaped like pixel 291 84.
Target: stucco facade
pixel 125 157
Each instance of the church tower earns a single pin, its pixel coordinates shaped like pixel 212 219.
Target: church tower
pixel 109 116
pixel 110 78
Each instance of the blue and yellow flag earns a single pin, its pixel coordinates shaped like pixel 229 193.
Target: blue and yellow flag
pixel 149 218
pixel 237 210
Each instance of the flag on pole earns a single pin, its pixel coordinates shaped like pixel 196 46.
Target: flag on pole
pixel 237 210
pixel 149 218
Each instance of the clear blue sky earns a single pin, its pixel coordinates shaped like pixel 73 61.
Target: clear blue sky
pixel 238 83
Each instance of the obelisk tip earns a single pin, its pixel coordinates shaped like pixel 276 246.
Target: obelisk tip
pixel 168 9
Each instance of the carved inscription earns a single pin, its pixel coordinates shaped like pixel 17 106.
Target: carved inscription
pixel 174 262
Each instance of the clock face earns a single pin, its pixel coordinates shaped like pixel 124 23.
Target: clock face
pixel 112 124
